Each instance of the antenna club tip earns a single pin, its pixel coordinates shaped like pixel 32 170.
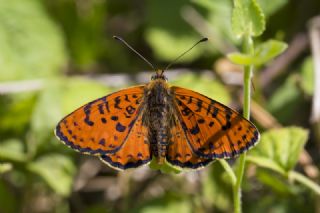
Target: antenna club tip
pixel 116 37
pixel 204 39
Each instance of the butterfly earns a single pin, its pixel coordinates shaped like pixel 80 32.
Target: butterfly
pixel 175 125
pixel 186 129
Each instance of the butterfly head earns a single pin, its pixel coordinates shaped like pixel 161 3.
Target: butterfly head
pixel 159 75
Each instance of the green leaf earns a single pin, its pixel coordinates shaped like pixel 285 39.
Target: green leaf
pixel 263 53
pixel 46 112
pixel 278 184
pixel 13 150
pixel 307 73
pixel 32 46
pixel 269 50
pixel 241 58
pixel 56 170
pixel 279 149
pixel 5 167
pixel 167 46
pixel 169 203
pixel 167 33
pixel 266 163
pixel 165 168
pixel 305 181
pixel 19 107
pixel 79 91
pixel 247 18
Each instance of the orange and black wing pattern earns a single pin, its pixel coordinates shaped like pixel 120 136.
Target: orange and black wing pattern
pixel 212 129
pixel 102 126
pixel 134 152
pixel 180 153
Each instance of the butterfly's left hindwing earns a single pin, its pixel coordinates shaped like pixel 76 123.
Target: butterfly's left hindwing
pixel 212 129
pixel 135 152
pixel 103 125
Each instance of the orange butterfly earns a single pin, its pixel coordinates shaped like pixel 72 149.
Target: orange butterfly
pixel 175 125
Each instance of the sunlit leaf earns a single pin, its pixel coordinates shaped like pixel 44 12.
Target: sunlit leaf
pixel 13 150
pixel 247 18
pixel 263 53
pixel 164 168
pixel 279 148
pixel 269 50
pixel 276 183
pixel 56 170
pixel 79 91
pixel 20 108
pixel 46 112
pixel 32 46
pixel 5 167
pixel 307 72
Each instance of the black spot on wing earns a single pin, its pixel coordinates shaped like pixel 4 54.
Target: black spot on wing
pixel 107 106
pixel 201 121
pixel 215 112
pixel 195 130
pixel 199 105
pixel 186 111
pixel 102 142
pixel 117 101
pixel 88 122
pixel 114 118
pixel 100 107
pixel 120 127
pixel 126 98
pixel 87 111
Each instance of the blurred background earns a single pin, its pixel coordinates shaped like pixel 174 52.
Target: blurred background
pixel 57 55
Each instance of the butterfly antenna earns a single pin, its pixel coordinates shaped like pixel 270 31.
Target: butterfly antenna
pixel 136 52
pixel 175 60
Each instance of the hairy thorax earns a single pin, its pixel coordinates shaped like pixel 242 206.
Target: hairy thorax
pixel 158 116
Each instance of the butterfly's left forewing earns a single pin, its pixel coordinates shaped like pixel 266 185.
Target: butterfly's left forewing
pixel 212 129
pixel 103 125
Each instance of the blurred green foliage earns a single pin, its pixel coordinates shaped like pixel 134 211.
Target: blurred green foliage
pixel 62 43
pixel 32 45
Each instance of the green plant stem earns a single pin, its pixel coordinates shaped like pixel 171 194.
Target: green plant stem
pixel 305 181
pixel 229 171
pixel 248 48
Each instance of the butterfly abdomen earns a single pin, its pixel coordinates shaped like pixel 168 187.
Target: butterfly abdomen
pixel 159 114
